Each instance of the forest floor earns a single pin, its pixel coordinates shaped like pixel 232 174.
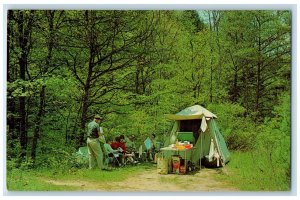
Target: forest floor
pixel 149 180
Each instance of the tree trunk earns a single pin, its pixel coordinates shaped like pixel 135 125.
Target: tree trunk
pixel 23 40
pixel 89 17
pixel 9 36
pixel 258 79
pixel 216 19
pixel 137 80
pixel 211 78
pixel 11 106
pixel 211 58
pixel 234 91
pixel 38 121
pixel 67 128
pixel 83 119
pixel 235 85
pixel 39 117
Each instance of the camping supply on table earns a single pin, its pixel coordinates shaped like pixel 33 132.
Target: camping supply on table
pixel 187 137
pixel 181 146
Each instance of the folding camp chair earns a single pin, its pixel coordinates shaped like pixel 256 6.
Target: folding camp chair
pixel 141 155
pixel 113 160
pixel 148 145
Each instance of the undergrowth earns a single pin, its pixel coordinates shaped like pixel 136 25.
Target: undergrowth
pixel 253 171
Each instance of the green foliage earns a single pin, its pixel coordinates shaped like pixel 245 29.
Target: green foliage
pixel 21 88
pixel 275 136
pixel 256 68
pixel 133 67
pixel 13 149
pixel 239 131
pixel 52 157
pixel 267 167
pixel 59 158
pixel 253 171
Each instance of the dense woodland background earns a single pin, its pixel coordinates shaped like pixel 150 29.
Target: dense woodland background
pixel 132 67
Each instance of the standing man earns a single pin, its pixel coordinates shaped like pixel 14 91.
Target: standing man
pixel 93 143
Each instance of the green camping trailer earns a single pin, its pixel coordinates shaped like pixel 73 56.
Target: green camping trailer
pixel 198 126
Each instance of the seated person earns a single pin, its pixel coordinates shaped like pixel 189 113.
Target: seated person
pixel 128 155
pixel 122 142
pixel 131 157
pixel 118 146
pixel 130 145
pixel 110 152
pixel 108 149
pixel 117 143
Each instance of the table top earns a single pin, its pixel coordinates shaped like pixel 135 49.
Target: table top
pixel 174 149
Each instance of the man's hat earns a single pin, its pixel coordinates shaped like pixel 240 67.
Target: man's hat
pixel 98 117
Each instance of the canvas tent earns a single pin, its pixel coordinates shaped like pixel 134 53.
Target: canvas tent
pixel 209 143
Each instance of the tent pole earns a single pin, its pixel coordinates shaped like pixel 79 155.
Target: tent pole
pixel 200 148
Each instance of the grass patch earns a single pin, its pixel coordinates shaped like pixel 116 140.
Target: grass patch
pixel 34 179
pixel 20 180
pixel 253 171
pixel 170 179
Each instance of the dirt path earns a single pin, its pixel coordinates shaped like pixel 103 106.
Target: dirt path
pixel 151 181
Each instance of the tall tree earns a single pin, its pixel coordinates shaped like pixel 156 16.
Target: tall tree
pixel 106 44
pixel 52 19
pixel 259 51
pixel 24 23
pixel 11 119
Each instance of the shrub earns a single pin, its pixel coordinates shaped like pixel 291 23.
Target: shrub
pixel 274 140
pixel 238 130
pixel 57 158
pixel 267 165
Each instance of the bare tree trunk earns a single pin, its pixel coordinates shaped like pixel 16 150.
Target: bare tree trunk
pixel 137 80
pixel 216 20
pixel 67 129
pixel 38 121
pixel 83 118
pixel 39 117
pixel 11 106
pixel 89 17
pixel 258 79
pixel 9 36
pixel 211 59
pixel 24 36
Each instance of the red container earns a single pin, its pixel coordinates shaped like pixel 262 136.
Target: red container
pixel 176 167
pixel 182 169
